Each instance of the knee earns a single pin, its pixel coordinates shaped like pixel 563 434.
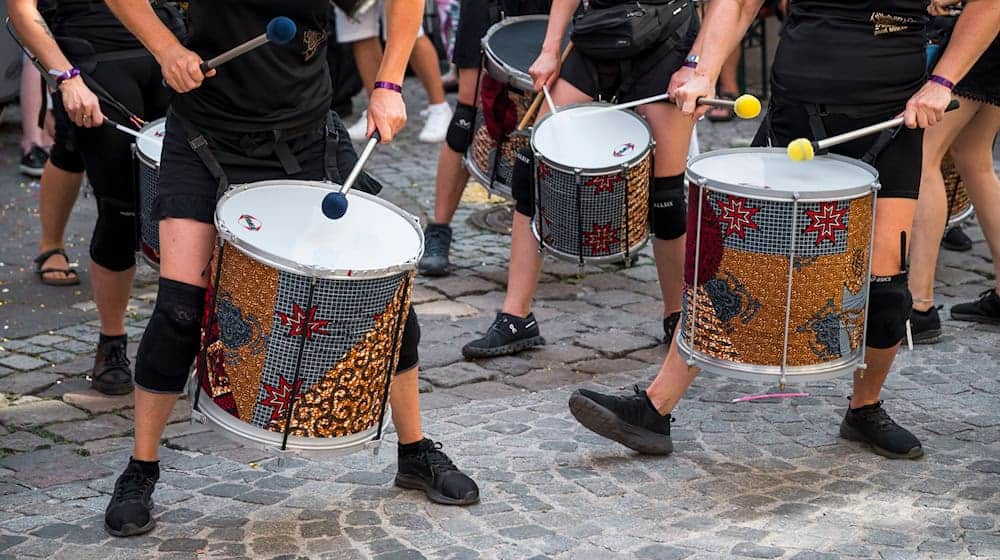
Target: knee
pixel 171 340
pixel 667 212
pixel 113 245
pixel 889 306
pixel 409 356
pixel 522 182
pixel 459 135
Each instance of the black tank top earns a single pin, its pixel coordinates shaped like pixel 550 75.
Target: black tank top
pixel 93 21
pixel 272 87
pixel 868 53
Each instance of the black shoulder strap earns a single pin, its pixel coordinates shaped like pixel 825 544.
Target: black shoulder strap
pixel 199 144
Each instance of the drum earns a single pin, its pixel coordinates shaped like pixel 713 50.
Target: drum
pixel 509 49
pixel 777 266
pixel 305 323
pixel 592 176
pixel 959 205
pixel 147 155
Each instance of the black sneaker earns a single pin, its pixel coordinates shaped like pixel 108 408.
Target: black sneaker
pixel 986 309
pixel 955 239
pixel 33 162
pixel 112 373
pixel 871 424
pixel 507 335
pixel 130 511
pixel 630 420
pixel 437 243
pixel 925 326
pixel 423 466
pixel 670 326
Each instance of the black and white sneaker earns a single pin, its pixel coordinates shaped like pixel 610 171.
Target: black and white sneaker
pixel 631 420
pixel 130 511
pixel 437 244
pixel 507 335
pixel 871 424
pixel 33 162
pixel 986 309
pixel 112 373
pixel 955 239
pixel 670 327
pixel 423 466
pixel 925 326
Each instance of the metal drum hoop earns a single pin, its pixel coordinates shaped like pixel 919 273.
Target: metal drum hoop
pixel 597 171
pixel 500 70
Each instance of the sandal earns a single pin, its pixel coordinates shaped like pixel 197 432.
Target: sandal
pixel 722 114
pixel 70 278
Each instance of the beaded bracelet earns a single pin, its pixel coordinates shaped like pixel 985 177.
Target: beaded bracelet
pixel 63 76
pixel 941 81
pixel 389 85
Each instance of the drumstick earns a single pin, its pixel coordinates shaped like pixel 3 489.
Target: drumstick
pixel 537 101
pixel 335 203
pixel 280 30
pixel 131 132
pixel 745 106
pixel 804 149
pixel 548 100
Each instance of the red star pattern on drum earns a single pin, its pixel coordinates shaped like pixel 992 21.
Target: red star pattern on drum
pixel 600 238
pixel 303 323
pixel 280 397
pixel 544 171
pixel 603 183
pixel 736 215
pixel 826 222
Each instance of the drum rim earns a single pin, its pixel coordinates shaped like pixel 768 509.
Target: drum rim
pixel 759 193
pixel 141 155
pixel 755 372
pixel 288 265
pixel 613 258
pixel 510 75
pixel 593 171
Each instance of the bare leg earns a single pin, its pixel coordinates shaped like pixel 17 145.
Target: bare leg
pixel 57 194
pixel 451 174
pixel 671 382
pixel 424 61
pixel 404 398
pixel 31 105
pixel 111 292
pixel 368 57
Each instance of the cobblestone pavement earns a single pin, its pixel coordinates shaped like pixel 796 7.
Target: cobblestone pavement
pixel 761 480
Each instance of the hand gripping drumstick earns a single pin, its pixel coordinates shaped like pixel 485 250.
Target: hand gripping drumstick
pixel 130 132
pixel 280 30
pixel 335 203
pixel 537 101
pixel 745 106
pixel 804 149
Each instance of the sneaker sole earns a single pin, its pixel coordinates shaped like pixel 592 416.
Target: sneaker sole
pixel 113 389
pixel 416 483
pixel 956 248
pixel 433 272
pixel 975 318
pixel 927 337
pixel 505 350
pixel 130 530
pixel 851 434
pixel 604 423
pixel 30 171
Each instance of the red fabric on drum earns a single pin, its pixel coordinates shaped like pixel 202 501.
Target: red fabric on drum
pixel 710 255
pixel 499 112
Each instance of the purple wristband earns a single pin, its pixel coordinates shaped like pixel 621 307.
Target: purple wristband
pixel 942 81
pixel 690 64
pixel 389 85
pixel 63 76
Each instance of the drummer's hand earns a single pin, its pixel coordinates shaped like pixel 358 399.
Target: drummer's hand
pixel 545 69
pixel 82 106
pixel 181 68
pixel 686 96
pixel 682 76
pixel 387 113
pixel 942 7
pixel 927 106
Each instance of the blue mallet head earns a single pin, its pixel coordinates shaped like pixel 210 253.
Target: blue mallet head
pixel 281 30
pixel 334 205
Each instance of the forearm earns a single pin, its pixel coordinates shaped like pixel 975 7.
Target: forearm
pixel 559 17
pixel 138 16
pixel 726 21
pixel 36 35
pixel 975 29
pixel 404 19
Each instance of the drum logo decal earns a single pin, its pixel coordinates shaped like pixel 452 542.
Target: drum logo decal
pixel 600 239
pixel 303 323
pixel 279 398
pixel 736 216
pixel 826 222
pixel 625 148
pixel 249 223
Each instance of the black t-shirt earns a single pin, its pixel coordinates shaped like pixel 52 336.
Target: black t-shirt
pixel 272 87
pixel 93 21
pixel 852 52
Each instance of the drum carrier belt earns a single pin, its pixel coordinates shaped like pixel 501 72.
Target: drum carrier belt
pixel 817 111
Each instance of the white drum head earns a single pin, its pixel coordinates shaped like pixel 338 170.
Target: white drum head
pixel 771 169
pixel 571 138
pixel 282 223
pixel 152 142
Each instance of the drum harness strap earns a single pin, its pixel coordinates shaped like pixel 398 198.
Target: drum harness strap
pixel 816 113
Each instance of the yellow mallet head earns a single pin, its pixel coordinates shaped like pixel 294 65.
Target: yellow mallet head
pixel 800 150
pixel 746 106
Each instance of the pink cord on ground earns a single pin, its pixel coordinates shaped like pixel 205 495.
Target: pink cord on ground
pixel 749 398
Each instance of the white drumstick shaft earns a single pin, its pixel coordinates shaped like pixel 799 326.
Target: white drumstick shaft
pixel 855 134
pixel 548 100
pixel 135 134
pixel 360 165
pixel 629 105
pixel 235 52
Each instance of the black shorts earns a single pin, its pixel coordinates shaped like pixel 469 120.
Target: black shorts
pixel 898 164
pixel 649 73
pixel 64 153
pixel 475 19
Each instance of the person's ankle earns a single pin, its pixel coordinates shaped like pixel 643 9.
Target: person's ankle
pixel 659 404
pixel 520 313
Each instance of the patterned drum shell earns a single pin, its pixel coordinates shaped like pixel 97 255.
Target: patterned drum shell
pixel 592 178
pixel 147 155
pixel 777 266
pixel 959 206
pixel 305 317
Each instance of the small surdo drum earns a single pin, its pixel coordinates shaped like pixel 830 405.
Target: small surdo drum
pixel 777 266
pixel 147 154
pixel 305 318
pixel 592 177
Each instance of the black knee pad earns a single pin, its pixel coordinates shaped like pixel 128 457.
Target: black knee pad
pixel 172 338
pixel 522 182
pixel 113 245
pixel 667 211
pixel 459 136
pixel 889 306
pixel 409 357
